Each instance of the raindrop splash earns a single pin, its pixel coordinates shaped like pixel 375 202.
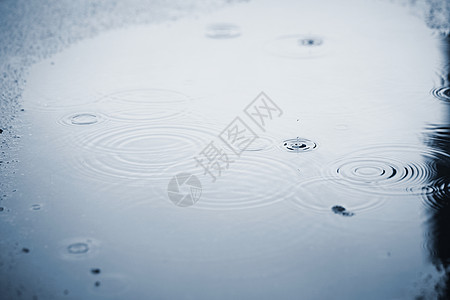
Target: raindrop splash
pixel 298 145
pixel 390 170
pixel 310 42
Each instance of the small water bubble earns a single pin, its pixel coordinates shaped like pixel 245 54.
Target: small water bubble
pixel 78 248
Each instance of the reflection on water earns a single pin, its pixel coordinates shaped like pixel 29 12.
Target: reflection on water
pixel 112 127
pixel 438 201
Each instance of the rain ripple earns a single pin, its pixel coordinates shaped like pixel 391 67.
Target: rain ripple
pixel 251 181
pixel 390 170
pixel 298 145
pixel 79 248
pixel 143 105
pixel 82 119
pixel 138 151
pixel 442 93
pixel 320 196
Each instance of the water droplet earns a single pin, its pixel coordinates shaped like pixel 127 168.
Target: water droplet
pixel 78 248
pixel 223 31
pixel 299 145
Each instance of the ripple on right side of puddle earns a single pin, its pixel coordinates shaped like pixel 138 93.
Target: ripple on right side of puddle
pixel 392 170
pixel 442 93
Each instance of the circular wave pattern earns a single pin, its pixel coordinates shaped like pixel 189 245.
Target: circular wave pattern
pixel 260 144
pixel 319 195
pixel 138 152
pixel 79 248
pixel 250 181
pixel 442 93
pixel 390 170
pixel 143 105
pixel 82 119
pixel 223 31
pixel 298 46
pixel 437 194
pixel 298 145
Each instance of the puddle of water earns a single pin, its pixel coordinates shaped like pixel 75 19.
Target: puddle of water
pixel 115 125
